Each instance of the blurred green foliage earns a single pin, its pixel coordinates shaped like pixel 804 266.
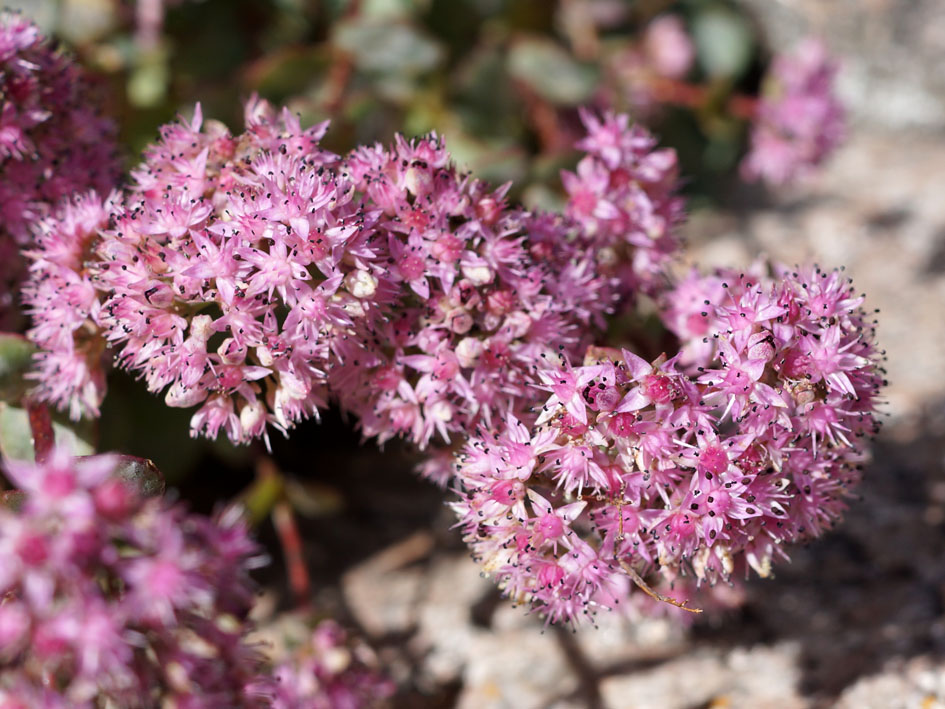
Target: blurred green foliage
pixel 16 353
pixel 16 440
pixel 500 78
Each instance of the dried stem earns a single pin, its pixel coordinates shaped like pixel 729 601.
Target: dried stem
pixel 645 587
pixel 336 83
pixel 544 120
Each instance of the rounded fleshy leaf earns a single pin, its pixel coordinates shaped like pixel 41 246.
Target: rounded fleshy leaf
pixel 16 353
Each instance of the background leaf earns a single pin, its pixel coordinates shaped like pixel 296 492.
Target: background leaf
pixel 551 72
pixel 16 439
pixel 724 42
pixel 16 353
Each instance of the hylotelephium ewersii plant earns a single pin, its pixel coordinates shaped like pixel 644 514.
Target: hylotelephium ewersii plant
pixel 259 278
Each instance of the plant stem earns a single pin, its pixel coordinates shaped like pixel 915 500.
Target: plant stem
pixel 681 93
pixel 645 587
pixel 284 521
pixel 44 438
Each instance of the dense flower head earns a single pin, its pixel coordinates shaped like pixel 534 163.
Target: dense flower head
pixel 260 277
pixel 799 120
pixel 331 670
pixel 483 291
pixel 53 142
pixel 64 305
pixel 684 474
pixel 623 196
pixel 108 597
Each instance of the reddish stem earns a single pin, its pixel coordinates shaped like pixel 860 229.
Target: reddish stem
pixel 44 438
pixel 337 82
pixel 284 521
pixel 289 538
pixel 544 119
pixel 745 107
pixel 681 93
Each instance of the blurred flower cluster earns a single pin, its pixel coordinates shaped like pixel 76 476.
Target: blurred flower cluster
pixel 329 670
pixel 799 120
pixel 502 78
pixel 110 596
pixel 53 142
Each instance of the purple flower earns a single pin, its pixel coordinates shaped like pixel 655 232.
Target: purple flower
pixel 112 598
pixel 799 119
pixel 675 468
pixel 52 142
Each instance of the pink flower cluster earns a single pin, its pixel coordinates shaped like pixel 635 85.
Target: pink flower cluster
pixel 53 142
pixel 669 47
pixel 799 120
pixel 481 291
pixel 64 305
pixel 107 597
pixel 623 197
pixel 636 468
pixel 330 671
pixel 260 277
pixel 665 53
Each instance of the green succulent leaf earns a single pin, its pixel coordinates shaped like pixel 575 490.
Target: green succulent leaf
pixel 551 72
pixel 723 42
pixel 16 353
pixel 16 438
pixel 394 50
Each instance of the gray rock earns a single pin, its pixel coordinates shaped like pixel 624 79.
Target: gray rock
pixel 756 678
pixel 516 669
pixel 446 633
pixel 919 682
pixel 383 592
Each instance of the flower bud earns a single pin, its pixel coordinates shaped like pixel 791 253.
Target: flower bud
pixel 361 284
pixel 468 350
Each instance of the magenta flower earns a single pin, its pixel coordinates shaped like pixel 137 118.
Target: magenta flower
pixel 623 197
pixel 330 671
pixel 684 473
pixel 799 119
pixel 664 55
pixel 112 598
pixel 259 277
pixel 668 48
pixel 64 306
pixel 53 143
